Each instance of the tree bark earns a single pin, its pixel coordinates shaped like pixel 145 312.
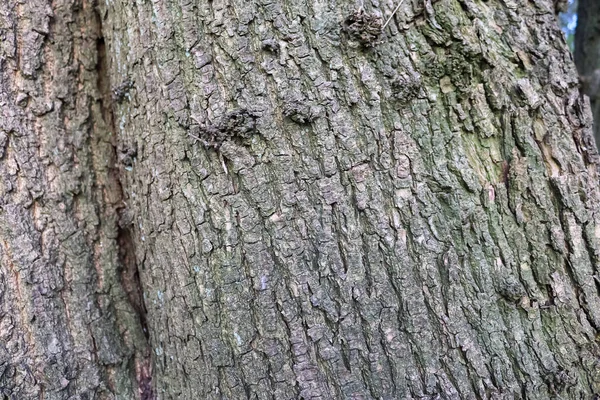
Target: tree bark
pixel 274 200
pixel 587 55
pixel 67 326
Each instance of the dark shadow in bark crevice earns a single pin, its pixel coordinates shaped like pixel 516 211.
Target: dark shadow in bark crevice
pixel 128 272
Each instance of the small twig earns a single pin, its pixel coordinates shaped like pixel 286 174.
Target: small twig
pixel 195 137
pixel 223 164
pixel 204 142
pixel 392 16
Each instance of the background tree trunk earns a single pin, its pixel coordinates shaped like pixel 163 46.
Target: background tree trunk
pixel 267 200
pixel 587 54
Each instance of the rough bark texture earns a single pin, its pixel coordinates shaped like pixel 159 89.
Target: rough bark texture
pixel 282 203
pixel 587 55
pixel 67 326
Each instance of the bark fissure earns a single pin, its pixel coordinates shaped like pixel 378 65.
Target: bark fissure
pixel 128 277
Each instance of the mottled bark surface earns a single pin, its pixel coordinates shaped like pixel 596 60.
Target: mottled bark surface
pixel 587 54
pixel 68 328
pixel 291 206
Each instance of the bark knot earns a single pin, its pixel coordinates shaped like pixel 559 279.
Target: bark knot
pixel 406 87
pixel 239 123
pixel 365 28
pixel 122 90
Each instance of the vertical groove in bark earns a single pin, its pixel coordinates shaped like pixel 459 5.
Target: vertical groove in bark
pixel 128 274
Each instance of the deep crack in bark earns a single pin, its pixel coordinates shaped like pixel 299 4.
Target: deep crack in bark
pixel 129 276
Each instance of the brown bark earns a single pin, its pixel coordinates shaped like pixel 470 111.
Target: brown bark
pixel 270 200
pixel 67 328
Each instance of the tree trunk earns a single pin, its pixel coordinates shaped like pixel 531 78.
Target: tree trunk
pixel 67 326
pixel 273 200
pixel 587 55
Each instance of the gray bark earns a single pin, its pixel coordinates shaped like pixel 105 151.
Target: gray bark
pixel 587 55
pixel 271 200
